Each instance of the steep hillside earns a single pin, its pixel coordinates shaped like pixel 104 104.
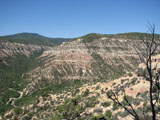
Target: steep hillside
pixel 26 43
pixel 102 58
pixel 16 59
pixel 9 49
pixel 37 79
pixel 88 102
pixel 13 77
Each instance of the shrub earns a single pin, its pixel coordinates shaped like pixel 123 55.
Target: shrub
pixel 130 75
pixel 101 117
pixel 106 104
pixel 147 117
pixel 98 110
pixel 57 117
pixel 138 94
pixel 92 101
pixel 141 72
pixel 137 101
pixel 144 95
pixel 134 81
pixel 108 114
pixel 115 106
pixel 86 93
pixel 113 84
pixel 124 114
pixel 122 81
pixel 71 109
pixel 97 87
pixel 18 111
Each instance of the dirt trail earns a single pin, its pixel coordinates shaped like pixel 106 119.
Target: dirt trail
pixel 12 100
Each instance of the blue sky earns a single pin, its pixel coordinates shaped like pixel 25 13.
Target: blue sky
pixel 74 18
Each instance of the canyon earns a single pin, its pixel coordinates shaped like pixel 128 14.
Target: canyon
pixel 52 74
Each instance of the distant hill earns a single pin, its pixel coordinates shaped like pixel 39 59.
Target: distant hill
pixel 131 35
pixel 33 38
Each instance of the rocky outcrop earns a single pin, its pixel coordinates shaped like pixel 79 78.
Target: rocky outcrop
pixel 93 57
pixel 10 49
pixel 103 58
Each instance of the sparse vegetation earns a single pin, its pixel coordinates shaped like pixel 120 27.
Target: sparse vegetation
pixel 115 106
pixel 106 104
pixel 150 47
pixel 108 114
pixel 55 88
pixel 57 98
pixel 13 77
pixel 141 72
pixel 86 93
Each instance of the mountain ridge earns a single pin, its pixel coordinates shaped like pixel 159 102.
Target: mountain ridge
pixel 33 38
pixel 56 41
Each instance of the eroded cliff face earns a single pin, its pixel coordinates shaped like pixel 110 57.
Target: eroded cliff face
pixel 8 49
pixel 101 59
pixel 31 86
